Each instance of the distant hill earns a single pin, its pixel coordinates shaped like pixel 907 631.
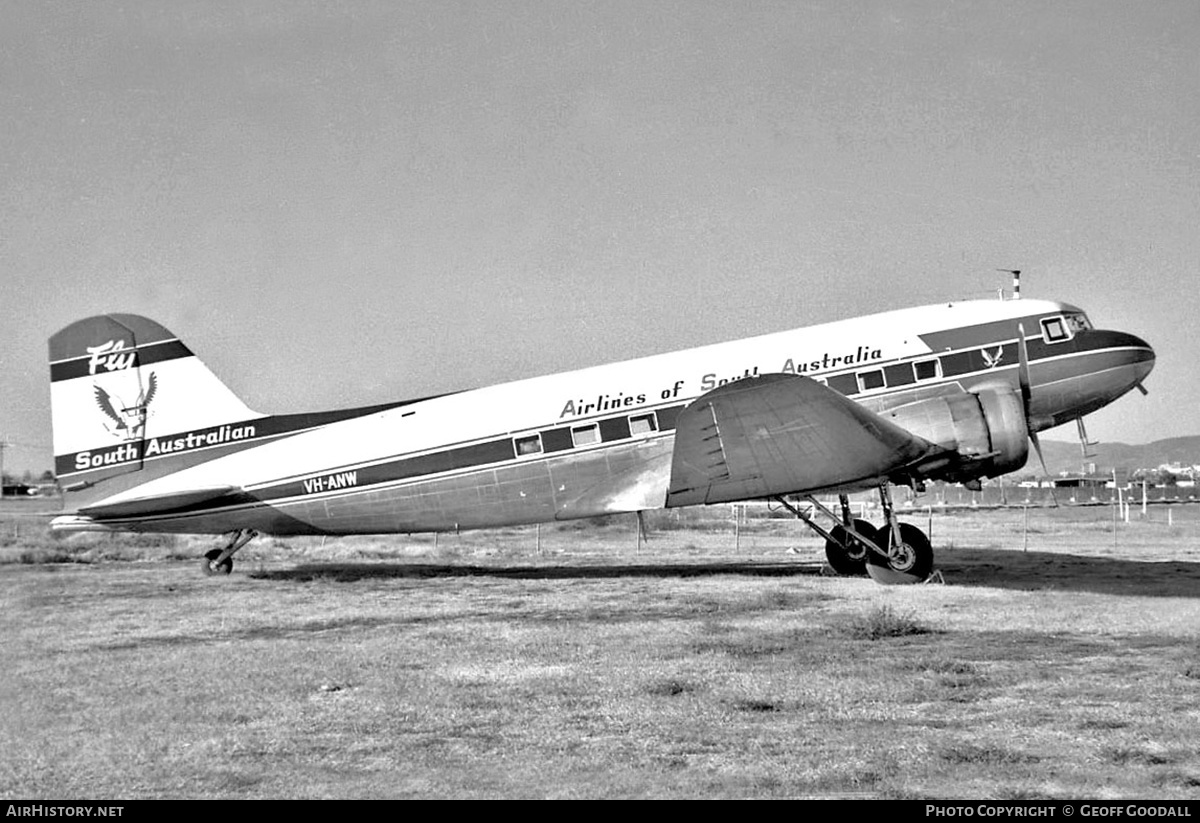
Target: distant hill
pixel 1065 455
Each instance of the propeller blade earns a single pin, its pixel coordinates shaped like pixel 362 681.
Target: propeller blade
pixel 1037 447
pixel 1026 398
pixel 1023 368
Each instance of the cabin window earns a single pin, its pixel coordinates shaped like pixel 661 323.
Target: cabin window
pixel 614 428
pixel 844 384
pixel 583 435
pixel 528 445
pixel 556 440
pixel 642 424
pixel 666 417
pixel 1055 329
pixel 927 369
pixel 868 380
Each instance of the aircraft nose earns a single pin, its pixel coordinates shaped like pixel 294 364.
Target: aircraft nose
pixel 1139 355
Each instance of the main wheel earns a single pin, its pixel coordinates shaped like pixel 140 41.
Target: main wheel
pixel 847 554
pixel 210 567
pixel 910 562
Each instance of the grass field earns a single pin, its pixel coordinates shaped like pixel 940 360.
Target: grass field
pixel 698 664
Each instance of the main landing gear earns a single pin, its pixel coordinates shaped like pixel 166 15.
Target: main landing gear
pixel 895 553
pixel 220 561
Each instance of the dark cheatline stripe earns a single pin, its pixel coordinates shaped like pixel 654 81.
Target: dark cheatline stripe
pixel 241 434
pixel 982 334
pixel 499 450
pixel 1081 343
pixel 559 439
pixel 997 355
pixel 143 356
pixel 463 457
pixel 963 362
pixel 616 428
pixel 310 420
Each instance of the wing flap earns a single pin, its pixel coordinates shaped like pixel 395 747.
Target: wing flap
pixel 782 434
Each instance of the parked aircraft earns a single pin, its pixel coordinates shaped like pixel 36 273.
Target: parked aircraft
pixel 147 439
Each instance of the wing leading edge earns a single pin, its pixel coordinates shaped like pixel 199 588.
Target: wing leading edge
pixel 783 434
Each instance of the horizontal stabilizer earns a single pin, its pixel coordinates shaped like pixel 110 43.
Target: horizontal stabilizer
pixel 782 434
pixel 75 523
pixel 120 507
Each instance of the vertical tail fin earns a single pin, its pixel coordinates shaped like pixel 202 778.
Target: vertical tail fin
pixel 124 391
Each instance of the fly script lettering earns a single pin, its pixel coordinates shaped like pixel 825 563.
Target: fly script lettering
pixel 111 355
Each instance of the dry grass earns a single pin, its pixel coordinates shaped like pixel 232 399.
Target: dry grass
pixel 478 668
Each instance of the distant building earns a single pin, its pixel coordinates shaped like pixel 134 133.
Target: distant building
pixel 1079 481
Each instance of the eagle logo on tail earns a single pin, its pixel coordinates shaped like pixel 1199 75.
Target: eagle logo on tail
pixel 128 422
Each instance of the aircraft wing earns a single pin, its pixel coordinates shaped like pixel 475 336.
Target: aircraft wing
pixel 783 434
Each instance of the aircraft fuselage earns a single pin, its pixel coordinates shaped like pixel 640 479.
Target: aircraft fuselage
pixel 549 447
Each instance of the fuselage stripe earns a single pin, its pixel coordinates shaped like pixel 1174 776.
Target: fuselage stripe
pixel 1001 356
pixel 345 481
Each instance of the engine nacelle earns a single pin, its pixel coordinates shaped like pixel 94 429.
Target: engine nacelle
pixel 986 427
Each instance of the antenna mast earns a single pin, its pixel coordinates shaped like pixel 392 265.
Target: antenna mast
pixel 1016 273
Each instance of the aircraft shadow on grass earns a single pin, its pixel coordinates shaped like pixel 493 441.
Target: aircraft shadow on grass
pixel 1058 571
pixel 1012 570
pixel 351 572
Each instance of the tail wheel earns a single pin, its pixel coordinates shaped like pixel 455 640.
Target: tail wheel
pixel 846 553
pixel 210 566
pixel 909 562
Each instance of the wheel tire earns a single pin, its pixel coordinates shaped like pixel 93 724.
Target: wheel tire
pixel 852 560
pixel 913 563
pixel 209 566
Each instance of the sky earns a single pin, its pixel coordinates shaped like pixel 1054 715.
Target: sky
pixel 339 204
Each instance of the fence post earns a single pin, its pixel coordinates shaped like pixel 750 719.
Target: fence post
pixel 1116 507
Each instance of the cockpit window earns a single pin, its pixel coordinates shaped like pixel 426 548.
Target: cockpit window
pixel 1054 329
pixel 1078 322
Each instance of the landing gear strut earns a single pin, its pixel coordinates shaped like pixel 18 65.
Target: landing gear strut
pixel 895 553
pixel 847 554
pixel 908 557
pixel 220 561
